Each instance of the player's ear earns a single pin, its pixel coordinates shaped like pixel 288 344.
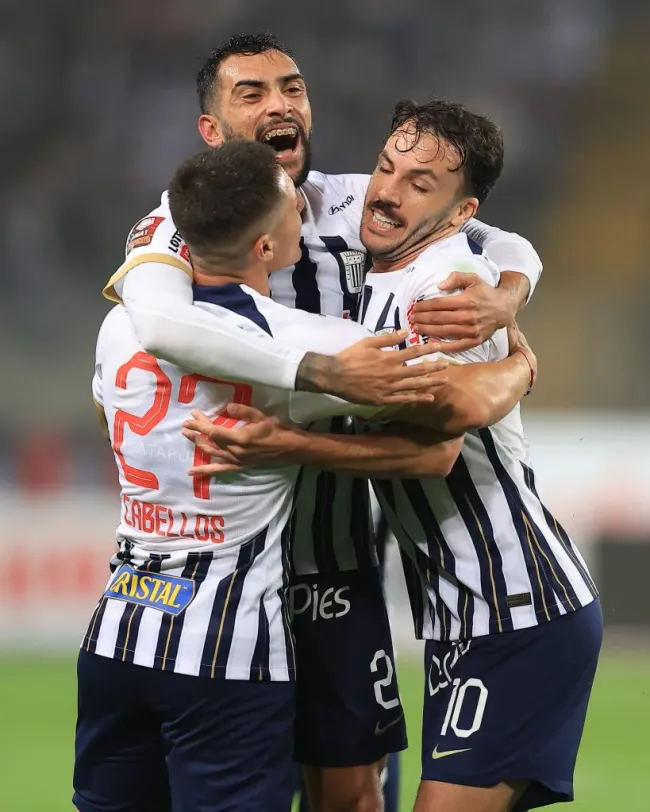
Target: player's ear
pixel 465 210
pixel 263 248
pixel 210 130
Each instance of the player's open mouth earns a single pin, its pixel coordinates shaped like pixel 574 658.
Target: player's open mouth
pixel 283 139
pixel 380 222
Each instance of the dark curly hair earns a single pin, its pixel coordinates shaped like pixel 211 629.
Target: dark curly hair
pixel 477 139
pixel 237 45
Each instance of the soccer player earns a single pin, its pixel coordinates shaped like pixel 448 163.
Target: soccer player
pixel 505 602
pixel 186 696
pixel 251 88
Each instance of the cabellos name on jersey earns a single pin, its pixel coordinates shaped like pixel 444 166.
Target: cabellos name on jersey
pixel 166 593
pixel 162 520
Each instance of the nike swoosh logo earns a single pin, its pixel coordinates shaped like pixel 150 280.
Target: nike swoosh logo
pixel 379 730
pixel 442 753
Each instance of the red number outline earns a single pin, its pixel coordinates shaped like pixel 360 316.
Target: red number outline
pixel 142 425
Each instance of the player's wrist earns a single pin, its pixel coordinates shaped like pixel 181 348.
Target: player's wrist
pixel 527 360
pixel 318 373
pixel 513 291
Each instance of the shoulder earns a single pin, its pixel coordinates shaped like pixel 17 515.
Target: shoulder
pixel 153 238
pixel 116 325
pixel 438 261
pixel 340 194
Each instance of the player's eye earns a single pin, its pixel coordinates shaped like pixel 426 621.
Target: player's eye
pixel 420 189
pixel 384 169
pixel 295 90
pixel 252 97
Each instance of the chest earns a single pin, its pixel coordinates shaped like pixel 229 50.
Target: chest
pixel 379 309
pixel 329 275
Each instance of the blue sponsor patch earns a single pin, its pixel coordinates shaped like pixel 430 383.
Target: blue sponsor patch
pixel 164 592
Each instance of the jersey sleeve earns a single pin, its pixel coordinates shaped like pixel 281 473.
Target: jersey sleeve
pixel 154 239
pixel 507 250
pixel 97 385
pixel 328 335
pixel 421 282
pixel 159 301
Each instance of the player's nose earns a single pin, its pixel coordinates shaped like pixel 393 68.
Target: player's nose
pixel 388 193
pixel 278 104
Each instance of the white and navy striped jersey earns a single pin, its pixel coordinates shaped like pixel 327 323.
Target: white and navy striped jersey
pixel 481 552
pixel 198 584
pixel 332 525
pixel 332 515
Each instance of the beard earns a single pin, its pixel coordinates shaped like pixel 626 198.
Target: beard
pixel 406 243
pixel 229 134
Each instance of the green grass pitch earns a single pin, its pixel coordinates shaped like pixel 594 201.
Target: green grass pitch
pixel 37 711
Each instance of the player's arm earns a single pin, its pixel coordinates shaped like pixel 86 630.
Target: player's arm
pixel 480 310
pixel 476 394
pixel 103 423
pixel 396 451
pixel 98 398
pixel 158 298
pixel 479 391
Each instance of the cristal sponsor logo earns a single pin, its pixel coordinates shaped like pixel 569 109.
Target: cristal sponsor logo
pixel 328 605
pixel 164 592
pixel 342 205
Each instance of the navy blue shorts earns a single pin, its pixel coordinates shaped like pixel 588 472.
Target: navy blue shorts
pixel 150 740
pixel 348 709
pixel 511 706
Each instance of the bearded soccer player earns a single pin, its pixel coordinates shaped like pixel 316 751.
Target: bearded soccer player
pixel 252 88
pixel 509 612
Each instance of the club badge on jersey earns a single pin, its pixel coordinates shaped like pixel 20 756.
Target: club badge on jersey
pixel 354 264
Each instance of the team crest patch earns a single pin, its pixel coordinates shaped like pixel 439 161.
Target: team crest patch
pixel 142 233
pixel 353 263
pixel 166 593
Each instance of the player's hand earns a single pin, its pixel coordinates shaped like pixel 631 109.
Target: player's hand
pixel 468 318
pixel 370 373
pixel 258 441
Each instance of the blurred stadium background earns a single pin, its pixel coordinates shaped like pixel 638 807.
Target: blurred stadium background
pixel 98 107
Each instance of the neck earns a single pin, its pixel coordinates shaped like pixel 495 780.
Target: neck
pixel 383 264
pixel 255 277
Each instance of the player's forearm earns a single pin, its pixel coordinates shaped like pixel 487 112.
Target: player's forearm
pixel 515 287
pixel 475 396
pixel 400 451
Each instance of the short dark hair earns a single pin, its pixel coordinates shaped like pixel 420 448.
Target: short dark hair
pixel 477 139
pixel 219 195
pixel 237 45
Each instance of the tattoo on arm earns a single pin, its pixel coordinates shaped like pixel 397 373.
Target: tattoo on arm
pixel 317 373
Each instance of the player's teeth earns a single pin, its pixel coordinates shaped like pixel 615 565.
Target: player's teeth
pixel 382 220
pixel 276 133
